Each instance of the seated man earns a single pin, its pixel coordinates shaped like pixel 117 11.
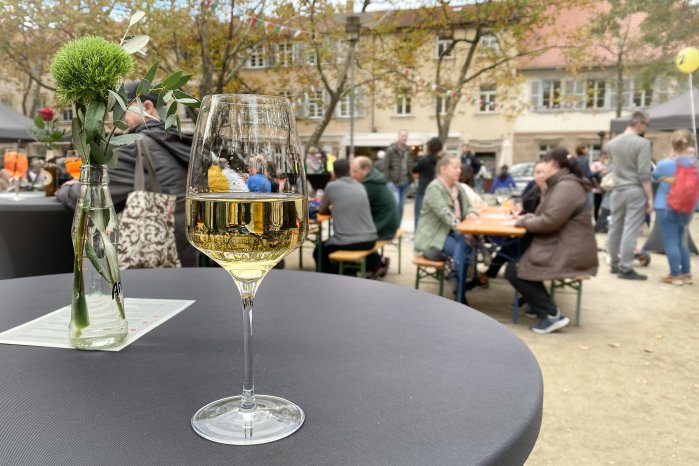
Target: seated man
pixel 353 228
pixel 382 201
pixel 384 211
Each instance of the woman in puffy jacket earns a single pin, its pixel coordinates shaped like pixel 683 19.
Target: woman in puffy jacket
pixel 563 243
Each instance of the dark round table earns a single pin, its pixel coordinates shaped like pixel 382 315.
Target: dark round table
pixel 34 236
pixel 385 374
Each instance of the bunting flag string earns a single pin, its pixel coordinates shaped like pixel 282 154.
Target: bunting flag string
pixel 424 84
pixel 272 28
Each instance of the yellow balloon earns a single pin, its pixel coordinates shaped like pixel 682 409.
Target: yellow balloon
pixel 687 60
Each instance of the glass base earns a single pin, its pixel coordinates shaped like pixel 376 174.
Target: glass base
pixel 222 421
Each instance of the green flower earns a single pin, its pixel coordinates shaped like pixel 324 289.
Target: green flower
pixel 86 68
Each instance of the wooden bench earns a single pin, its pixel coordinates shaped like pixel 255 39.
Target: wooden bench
pixel 575 284
pixel 353 259
pixel 313 229
pixel 425 269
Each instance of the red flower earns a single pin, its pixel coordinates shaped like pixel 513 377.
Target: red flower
pixel 46 113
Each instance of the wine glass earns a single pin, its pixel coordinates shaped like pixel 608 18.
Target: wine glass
pixel 234 217
pixel 73 164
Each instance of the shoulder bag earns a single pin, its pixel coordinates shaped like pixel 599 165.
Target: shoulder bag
pixel 147 226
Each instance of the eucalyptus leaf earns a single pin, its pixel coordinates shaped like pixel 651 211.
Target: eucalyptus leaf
pixel 183 80
pixel 110 102
pixel 121 125
pixel 160 107
pixel 96 153
pixel 143 88
pixel 135 44
pixel 79 140
pixel 136 17
pixel 112 159
pixel 167 97
pixel 125 139
pixel 179 126
pixel 172 80
pixel 187 101
pixel 150 75
pixel 94 119
pixel 118 99
pixel 170 120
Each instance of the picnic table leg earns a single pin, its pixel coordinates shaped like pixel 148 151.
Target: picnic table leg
pixel 319 253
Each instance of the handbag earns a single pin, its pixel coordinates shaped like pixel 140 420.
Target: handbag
pixel 607 182
pixel 147 225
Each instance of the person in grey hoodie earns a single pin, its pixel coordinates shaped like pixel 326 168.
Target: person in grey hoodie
pixel 632 196
pixel 397 166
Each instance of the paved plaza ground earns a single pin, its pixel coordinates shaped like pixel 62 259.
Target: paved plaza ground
pixel 623 388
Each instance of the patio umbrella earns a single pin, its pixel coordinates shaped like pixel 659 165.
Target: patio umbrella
pixel 505 154
pixel 13 125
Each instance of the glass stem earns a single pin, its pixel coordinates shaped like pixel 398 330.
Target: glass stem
pixel 247 293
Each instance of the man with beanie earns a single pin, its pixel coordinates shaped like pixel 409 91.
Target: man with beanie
pixel 170 155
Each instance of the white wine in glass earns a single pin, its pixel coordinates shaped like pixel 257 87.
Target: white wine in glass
pixel 245 148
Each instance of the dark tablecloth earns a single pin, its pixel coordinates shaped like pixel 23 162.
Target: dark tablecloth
pixel 34 237
pixel 386 375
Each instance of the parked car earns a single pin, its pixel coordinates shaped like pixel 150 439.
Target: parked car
pixel 522 173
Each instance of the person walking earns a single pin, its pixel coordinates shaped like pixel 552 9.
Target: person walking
pixel 397 167
pixel 674 225
pixel 632 196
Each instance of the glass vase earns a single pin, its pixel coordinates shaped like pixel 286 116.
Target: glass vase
pixel 97 319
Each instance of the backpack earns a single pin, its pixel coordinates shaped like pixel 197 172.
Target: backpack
pixel 684 190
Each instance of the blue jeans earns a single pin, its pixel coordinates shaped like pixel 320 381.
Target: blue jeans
pixel 673 229
pixel 458 249
pixel 418 207
pixel 400 191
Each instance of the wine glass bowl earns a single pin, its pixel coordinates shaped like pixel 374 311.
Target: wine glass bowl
pixel 246 209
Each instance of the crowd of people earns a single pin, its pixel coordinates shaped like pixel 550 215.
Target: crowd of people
pixel 569 198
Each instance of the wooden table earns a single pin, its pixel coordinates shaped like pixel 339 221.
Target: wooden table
pixel 492 221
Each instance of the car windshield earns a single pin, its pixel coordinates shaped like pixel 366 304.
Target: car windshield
pixel 522 169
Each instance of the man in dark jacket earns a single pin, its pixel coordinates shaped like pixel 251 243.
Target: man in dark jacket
pixel 469 159
pixel 397 167
pixel 381 200
pixel 170 156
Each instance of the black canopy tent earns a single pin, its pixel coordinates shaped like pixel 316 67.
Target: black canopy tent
pixel 674 114
pixel 13 125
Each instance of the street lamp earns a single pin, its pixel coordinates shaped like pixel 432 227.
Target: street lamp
pixel 352 29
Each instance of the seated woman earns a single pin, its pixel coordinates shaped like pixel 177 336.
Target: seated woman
pixel 563 243
pixel 674 225
pixel 444 206
pixel 512 249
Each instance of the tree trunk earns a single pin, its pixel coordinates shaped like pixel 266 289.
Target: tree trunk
pixel 314 140
pixel 619 82
pixel 206 63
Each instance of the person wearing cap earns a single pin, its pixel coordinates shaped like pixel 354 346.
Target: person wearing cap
pixel 170 155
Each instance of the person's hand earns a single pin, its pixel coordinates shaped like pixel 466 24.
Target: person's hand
pixel 69 182
pixel 472 216
pixel 649 207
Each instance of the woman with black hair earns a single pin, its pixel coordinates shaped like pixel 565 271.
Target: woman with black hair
pixel 563 245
